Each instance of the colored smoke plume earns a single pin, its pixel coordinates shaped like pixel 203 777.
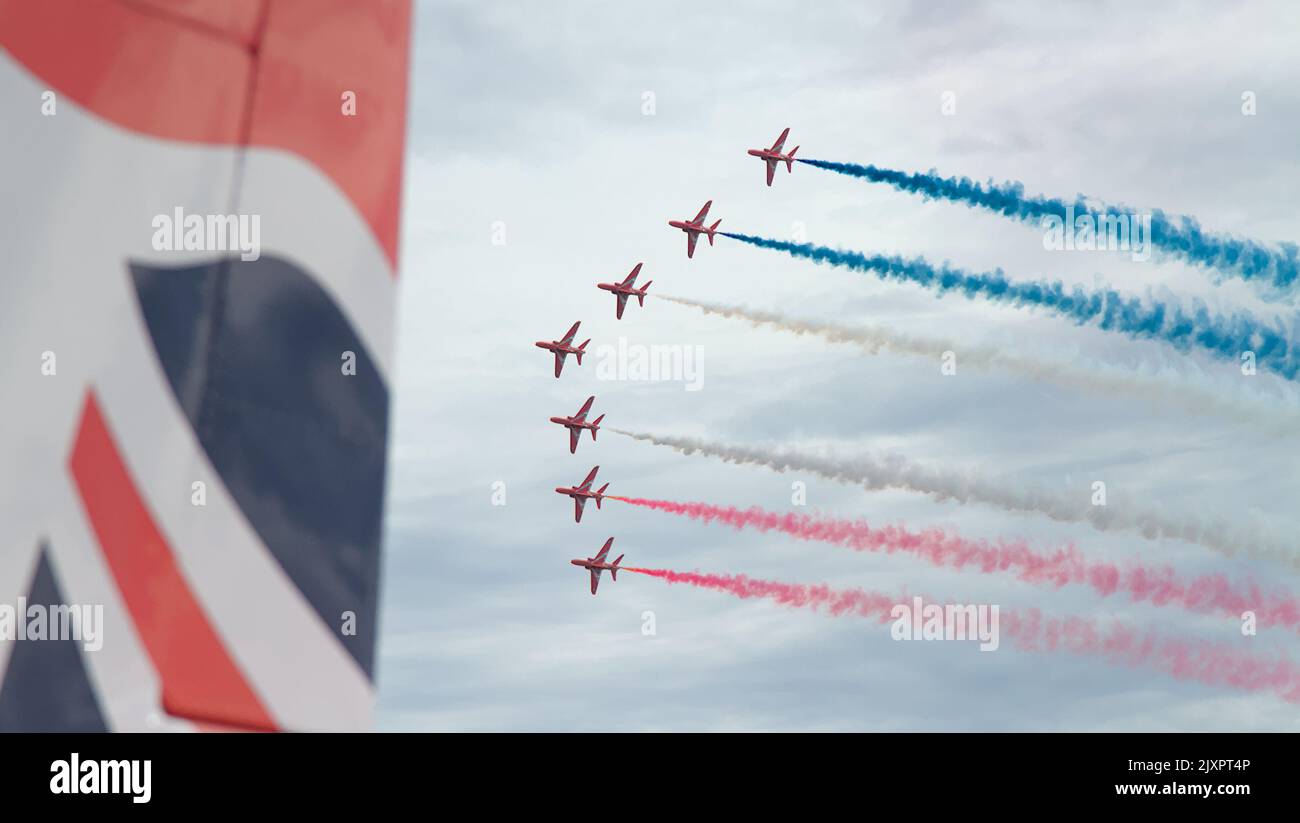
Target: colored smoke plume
pixel 1158 585
pixel 1106 309
pixel 1198 661
pixel 876 472
pixel 1179 236
pixel 1189 393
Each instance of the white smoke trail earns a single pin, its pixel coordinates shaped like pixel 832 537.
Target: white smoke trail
pixel 1189 393
pixel 877 472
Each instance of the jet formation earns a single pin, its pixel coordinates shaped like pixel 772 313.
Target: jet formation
pixel 622 290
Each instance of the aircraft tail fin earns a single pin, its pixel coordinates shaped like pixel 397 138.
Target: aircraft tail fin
pixel 640 298
pixel 712 229
pixel 582 350
pixel 595 424
pixel 599 493
pixel 789 159
pixel 613 572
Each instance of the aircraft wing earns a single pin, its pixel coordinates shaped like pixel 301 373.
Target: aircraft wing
pixel 595 579
pixel 571 333
pixel 631 278
pixel 699 218
pixel 586 407
pixel 586 484
pixel 574 435
pixel 578 504
pixel 604 551
pixel 780 141
pixel 691 237
pixel 622 304
pixel 771 170
pixel 559 362
pixel 233 613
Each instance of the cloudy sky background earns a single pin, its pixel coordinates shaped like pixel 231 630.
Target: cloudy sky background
pixel 531 115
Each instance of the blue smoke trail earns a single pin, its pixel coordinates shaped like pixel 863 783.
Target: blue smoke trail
pixel 1225 337
pixel 1179 236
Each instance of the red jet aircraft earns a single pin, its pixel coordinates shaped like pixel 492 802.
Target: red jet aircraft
pixel 625 290
pixel 695 228
pixel 582 492
pixel 597 564
pixel 578 422
pixel 564 347
pixel 773 156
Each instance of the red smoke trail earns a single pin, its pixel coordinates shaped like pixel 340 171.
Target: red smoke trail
pixel 1159 585
pixel 836 601
pixel 1214 664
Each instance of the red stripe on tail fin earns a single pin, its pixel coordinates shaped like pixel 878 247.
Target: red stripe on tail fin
pixel 199 677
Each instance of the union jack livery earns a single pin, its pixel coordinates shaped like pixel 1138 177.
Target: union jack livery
pixel 195 434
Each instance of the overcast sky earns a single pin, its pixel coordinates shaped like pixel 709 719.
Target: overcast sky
pixel 530 120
